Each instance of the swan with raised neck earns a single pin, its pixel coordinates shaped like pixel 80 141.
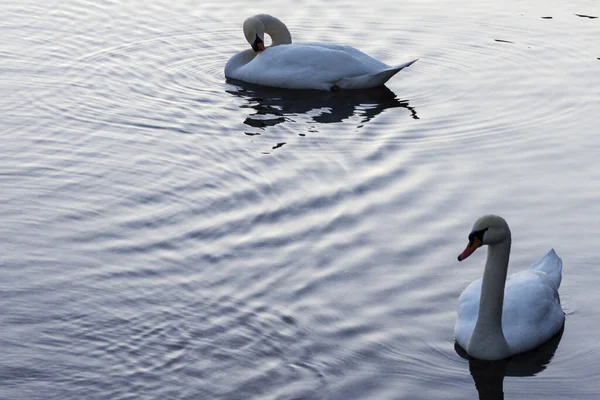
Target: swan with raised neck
pixel 499 315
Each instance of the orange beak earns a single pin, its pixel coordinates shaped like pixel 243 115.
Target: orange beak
pixel 471 247
pixel 261 47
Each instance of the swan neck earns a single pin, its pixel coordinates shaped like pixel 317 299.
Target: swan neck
pixel 276 29
pixel 488 341
pixel 492 287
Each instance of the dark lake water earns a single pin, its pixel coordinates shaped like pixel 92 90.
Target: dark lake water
pixel 168 235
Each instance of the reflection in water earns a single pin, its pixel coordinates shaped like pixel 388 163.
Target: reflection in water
pixel 273 106
pixel 489 375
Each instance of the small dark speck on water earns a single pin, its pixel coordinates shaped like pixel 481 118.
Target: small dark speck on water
pixel 546 17
pixel 302 134
pixel 586 16
pixel 278 145
pixel 288 320
pixel 503 41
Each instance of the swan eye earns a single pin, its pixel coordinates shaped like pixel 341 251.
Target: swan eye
pixel 477 234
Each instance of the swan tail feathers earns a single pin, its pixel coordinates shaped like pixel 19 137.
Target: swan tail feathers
pixel 551 265
pixel 404 65
pixel 371 80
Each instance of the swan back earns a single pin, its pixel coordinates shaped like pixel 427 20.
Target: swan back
pixel 309 66
pixel 551 265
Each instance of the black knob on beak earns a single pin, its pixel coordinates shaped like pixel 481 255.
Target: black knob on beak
pixel 258 45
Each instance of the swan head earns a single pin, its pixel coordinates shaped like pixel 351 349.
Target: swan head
pixel 254 31
pixel 487 230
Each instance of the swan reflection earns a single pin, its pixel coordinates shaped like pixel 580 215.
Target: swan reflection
pixel 489 375
pixel 273 106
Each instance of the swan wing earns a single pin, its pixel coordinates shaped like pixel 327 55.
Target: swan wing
pixel 373 79
pixel 532 312
pixel 313 66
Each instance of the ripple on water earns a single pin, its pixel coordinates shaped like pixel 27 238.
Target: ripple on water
pixel 161 350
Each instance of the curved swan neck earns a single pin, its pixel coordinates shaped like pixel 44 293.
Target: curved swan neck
pixel 276 29
pixel 488 341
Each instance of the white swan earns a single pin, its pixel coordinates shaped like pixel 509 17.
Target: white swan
pixel 303 65
pixel 501 316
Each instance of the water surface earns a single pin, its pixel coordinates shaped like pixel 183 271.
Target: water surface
pixel 168 234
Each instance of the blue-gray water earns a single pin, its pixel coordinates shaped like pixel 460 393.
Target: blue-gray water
pixel 167 235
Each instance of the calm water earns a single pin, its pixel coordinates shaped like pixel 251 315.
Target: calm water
pixel 168 235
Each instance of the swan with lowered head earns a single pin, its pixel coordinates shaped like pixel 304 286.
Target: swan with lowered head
pixel 319 66
pixel 501 316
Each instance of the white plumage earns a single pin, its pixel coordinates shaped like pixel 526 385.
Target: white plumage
pixel 318 66
pixel 529 311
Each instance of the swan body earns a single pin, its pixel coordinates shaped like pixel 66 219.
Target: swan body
pixel 290 65
pixel 501 316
